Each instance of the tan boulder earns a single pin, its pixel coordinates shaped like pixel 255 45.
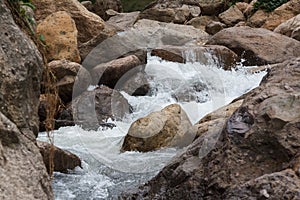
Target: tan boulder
pixel 214 27
pixel 251 44
pixel 258 19
pixel 60 35
pixel 88 24
pixel 290 28
pixel 232 16
pixel 201 21
pixel 211 7
pixel 223 56
pixel 123 21
pixel 165 128
pixel 63 160
pixel 100 7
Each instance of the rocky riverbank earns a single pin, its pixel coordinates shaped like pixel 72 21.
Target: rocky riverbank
pixel 253 143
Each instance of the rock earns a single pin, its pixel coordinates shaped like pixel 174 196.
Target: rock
pixel 63 160
pixel 211 7
pixel 22 171
pixel 60 35
pixel 214 27
pixel 165 128
pixel 251 44
pixel 93 108
pixel 201 21
pixel 30 17
pixel 242 6
pixel 290 28
pixel 66 73
pixel 171 11
pixel 110 73
pixel 222 56
pixel 123 21
pixel 257 19
pixel 21 68
pixel 146 34
pixel 100 7
pixel 282 14
pixel 87 4
pixel 232 16
pixel 241 164
pixel 88 24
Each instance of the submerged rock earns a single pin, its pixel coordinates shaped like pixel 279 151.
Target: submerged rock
pixel 165 128
pixel 259 163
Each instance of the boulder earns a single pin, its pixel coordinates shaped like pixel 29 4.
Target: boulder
pixel 232 16
pixel 66 73
pixel 100 7
pixel 202 21
pixel 123 21
pixel 251 158
pixel 258 19
pixel 165 128
pixel 63 160
pixel 290 28
pixel 110 73
pixel 207 54
pixel 59 33
pixel 171 11
pixel 213 27
pixel 92 109
pixel 212 7
pixel 251 44
pixel 88 24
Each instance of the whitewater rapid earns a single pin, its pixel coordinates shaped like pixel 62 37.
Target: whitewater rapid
pixel 106 172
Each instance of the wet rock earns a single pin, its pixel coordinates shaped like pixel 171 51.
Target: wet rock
pixel 257 164
pixel 60 35
pixel 290 28
pixel 63 160
pixel 88 24
pixel 66 73
pixel 165 128
pixel 92 109
pixel 232 16
pixel 222 56
pixel 251 44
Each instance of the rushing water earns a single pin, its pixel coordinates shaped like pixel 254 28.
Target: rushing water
pixel 106 172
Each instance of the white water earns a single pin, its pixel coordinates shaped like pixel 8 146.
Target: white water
pixel 107 172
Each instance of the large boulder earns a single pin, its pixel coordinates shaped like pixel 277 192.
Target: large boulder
pixel 251 44
pixel 88 24
pixel 59 33
pixel 165 128
pixel 290 28
pixel 63 160
pixel 93 108
pixel 251 158
pixel 171 11
pixel 210 54
pixel 22 171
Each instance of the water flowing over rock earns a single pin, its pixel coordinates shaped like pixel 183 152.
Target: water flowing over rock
pixel 242 166
pixel 165 128
pixel 88 24
pixel 63 160
pixel 22 171
pixel 290 28
pixel 59 33
pixel 257 46
pixel 221 56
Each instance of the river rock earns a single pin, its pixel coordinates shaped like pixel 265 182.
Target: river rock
pixel 88 24
pixel 211 7
pixel 63 160
pixel 201 21
pixel 66 73
pixel 100 7
pixel 59 33
pixel 290 28
pixel 213 27
pixel 251 157
pixel 251 44
pixel 171 11
pixel 93 108
pixel 232 16
pixel 165 128
pixel 222 56
pixel 123 21
pixel 257 19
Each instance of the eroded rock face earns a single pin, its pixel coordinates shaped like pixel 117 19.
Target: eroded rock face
pixel 257 46
pixel 60 35
pixel 165 128
pixel 63 160
pixel 223 57
pixel 245 161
